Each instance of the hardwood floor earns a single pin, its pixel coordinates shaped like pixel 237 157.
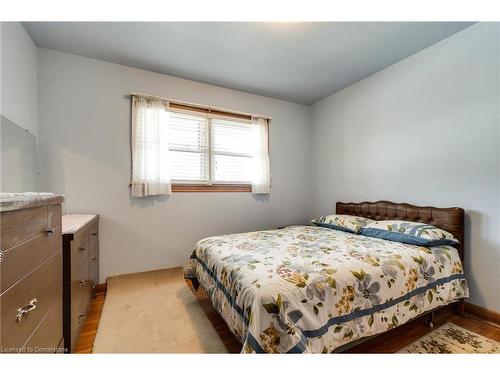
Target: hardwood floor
pixel 388 342
pixel 89 330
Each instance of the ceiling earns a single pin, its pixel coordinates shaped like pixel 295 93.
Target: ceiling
pixel 299 62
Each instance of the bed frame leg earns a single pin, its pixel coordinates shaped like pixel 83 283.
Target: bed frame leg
pixel 195 283
pixel 430 320
pixel 461 308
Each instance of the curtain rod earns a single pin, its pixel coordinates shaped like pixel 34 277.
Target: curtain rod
pixel 198 105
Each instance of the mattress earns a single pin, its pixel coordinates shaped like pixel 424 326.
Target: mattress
pixel 306 289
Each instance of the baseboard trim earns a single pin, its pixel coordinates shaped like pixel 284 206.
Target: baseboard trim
pixel 101 288
pixel 483 313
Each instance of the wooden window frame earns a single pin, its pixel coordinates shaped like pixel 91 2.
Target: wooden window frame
pixel 189 107
pixel 214 188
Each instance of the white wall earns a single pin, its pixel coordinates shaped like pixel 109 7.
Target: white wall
pixel 423 131
pixel 19 76
pixel 18 109
pixel 84 119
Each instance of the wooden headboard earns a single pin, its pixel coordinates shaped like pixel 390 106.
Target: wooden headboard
pixel 450 219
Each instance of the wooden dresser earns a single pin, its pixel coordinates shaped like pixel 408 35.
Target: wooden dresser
pixel 80 272
pixel 30 273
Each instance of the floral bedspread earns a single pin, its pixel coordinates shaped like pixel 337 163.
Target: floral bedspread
pixel 306 289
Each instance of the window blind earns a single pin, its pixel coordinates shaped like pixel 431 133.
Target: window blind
pixel 232 151
pixel 189 148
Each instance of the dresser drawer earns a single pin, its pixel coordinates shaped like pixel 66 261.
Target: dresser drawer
pixel 55 215
pixel 22 225
pixel 19 260
pixel 80 299
pixel 79 250
pixel 80 291
pixel 48 335
pixel 94 265
pixel 82 272
pixel 93 232
pixel 39 285
pixel 81 287
pixel 54 224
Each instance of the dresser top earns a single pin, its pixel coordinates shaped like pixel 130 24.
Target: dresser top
pixel 17 201
pixel 72 223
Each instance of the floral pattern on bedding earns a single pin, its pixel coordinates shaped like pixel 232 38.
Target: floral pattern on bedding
pixel 346 223
pixel 312 289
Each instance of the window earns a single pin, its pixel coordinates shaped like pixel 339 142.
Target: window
pixel 206 150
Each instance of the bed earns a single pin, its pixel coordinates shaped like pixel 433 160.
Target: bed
pixel 310 289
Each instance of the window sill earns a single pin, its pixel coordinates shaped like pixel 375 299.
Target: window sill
pixel 216 188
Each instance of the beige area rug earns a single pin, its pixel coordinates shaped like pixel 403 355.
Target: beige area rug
pixel 451 338
pixel 154 312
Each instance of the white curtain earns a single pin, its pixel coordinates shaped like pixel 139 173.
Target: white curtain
pixel 261 180
pixel 150 156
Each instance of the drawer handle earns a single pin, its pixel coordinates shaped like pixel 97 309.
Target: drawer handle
pixel 50 231
pixel 95 234
pixel 26 309
pixel 82 249
pixel 94 258
pixel 81 318
pixel 83 283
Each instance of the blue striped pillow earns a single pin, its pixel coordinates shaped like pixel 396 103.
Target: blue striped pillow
pixel 409 232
